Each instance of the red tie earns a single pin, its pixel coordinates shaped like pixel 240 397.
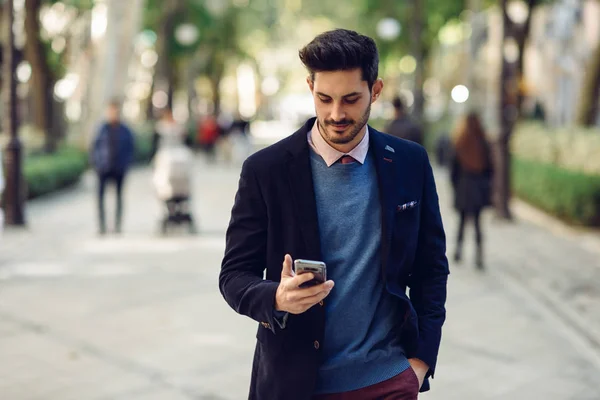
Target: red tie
pixel 347 159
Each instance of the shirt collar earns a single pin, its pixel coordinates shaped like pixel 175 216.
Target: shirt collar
pixel 331 155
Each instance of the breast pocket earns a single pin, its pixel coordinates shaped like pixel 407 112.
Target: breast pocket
pixel 406 219
pixel 405 236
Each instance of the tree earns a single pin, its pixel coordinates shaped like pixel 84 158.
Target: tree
pixel 13 195
pixel 218 42
pixel 42 78
pixel 589 105
pixel 508 113
pixel 424 19
pixel 511 99
pixel 46 68
pixel 419 51
pixel 220 45
pixel 165 70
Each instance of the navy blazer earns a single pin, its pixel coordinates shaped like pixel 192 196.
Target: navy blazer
pixel 275 213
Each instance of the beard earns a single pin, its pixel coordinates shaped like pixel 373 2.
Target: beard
pixel 343 131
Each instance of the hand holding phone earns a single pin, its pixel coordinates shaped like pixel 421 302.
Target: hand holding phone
pixel 291 296
pixel 317 268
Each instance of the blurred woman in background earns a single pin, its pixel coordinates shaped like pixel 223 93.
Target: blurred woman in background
pixel 471 174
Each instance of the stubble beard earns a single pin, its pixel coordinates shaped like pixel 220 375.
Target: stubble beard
pixel 356 127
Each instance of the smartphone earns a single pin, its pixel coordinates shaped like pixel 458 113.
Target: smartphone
pixel 318 268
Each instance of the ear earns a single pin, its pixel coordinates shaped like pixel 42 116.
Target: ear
pixel 377 89
pixel 311 84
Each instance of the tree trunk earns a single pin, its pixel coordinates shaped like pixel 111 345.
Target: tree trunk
pixel 14 193
pixel 589 107
pixel 522 37
pixel 164 68
pixel 508 115
pixel 149 106
pixel 41 77
pixel 419 54
pixel 215 82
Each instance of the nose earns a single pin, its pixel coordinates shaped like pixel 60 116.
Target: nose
pixel 337 112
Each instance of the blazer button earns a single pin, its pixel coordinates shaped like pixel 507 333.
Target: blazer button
pixel 317 345
pixel 321 303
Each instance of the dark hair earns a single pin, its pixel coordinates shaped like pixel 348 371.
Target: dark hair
pixel 114 102
pixel 470 144
pixel 342 49
pixel 398 103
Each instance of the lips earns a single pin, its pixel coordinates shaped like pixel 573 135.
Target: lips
pixel 340 127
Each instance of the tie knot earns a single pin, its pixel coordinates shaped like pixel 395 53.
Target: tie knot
pixel 347 159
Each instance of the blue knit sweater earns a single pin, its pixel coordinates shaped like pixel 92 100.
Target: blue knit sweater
pixel 361 345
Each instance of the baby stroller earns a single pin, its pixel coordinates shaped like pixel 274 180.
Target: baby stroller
pixel 172 180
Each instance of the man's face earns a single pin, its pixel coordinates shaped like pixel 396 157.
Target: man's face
pixel 343 105
pixel 112 114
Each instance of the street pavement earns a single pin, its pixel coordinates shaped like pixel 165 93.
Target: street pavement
pixel 139 316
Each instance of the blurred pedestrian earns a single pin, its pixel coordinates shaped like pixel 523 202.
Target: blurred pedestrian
pixel 208 134
pixel 236 146
pixel 340 192
pixel 112 154
pixel 402 126
pixel 443 150
pixel 471 175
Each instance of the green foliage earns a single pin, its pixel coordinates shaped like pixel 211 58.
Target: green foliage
pixel 437 14
pixel 55 60
pixel 569 195
pixel 48 173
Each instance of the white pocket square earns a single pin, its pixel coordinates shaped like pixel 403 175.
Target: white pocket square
pixel 406 206
pixel 389 148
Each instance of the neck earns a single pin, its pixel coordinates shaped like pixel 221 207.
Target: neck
pixel 345 147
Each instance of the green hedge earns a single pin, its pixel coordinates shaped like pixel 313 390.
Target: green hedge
pixel 49 172
pixel 569 195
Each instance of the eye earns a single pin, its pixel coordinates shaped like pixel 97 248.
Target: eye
pixel 326 101
pixel 351 101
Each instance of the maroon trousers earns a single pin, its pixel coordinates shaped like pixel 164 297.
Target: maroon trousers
pixel 404 386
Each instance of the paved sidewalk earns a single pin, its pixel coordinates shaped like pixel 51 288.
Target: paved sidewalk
pixel 140 316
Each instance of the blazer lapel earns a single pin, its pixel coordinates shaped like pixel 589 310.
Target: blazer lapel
pixel 389 189
pixel 303 192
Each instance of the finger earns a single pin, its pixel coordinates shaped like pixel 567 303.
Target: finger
pixel 301 293
pixel 302 278
pixel 294 283
pixel 308 302
pixel 287 267
pixel 312 290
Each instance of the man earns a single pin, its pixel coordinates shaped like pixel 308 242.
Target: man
pixel 112 153
pixel 363 202
pixel 402 126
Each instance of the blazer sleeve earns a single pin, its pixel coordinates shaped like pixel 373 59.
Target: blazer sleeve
pixel 430 274
pixel 241 279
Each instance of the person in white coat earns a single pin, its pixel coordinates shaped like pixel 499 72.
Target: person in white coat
pixel 172 160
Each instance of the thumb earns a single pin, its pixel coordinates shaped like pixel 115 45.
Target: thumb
pixel 286 271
